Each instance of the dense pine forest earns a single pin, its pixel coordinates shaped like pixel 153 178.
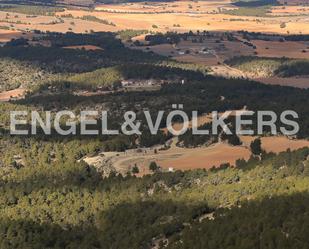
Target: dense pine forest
pixel 69 205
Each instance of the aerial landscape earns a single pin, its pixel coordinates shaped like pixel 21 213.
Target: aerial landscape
pixel 128 124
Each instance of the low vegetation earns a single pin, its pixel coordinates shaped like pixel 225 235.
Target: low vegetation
pixel 128 34
pixel 14 74
pixel 260 11
pixel 30 9
pixel 110 78
pixel 99 20
pixel 283 67
pixel 105 77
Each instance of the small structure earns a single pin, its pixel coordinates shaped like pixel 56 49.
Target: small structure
pixel 127 83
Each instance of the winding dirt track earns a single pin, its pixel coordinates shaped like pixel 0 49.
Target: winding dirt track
pixel 202 157
pixel 183 158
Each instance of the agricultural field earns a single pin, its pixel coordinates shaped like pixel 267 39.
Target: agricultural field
pixel 177 158
pixel 182 22
pixel 289 10
pixel 140 67
pixel 236 54
pixel 276 144
pixel 179 16
pixel 202 158
pixel 289 49
pixel 300 82
pixel 8 35
pixel 172 7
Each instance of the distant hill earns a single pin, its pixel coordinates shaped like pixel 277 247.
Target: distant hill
pixel 50 2
pixel 86 3
pixel 254 3
pixel 294 2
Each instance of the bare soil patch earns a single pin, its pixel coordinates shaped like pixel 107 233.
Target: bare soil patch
pixel 289 49
pixel 202 157
pixel 210 52
pixel 182 158
pixel 7 35
pixel 12 94
pixel 300 82
pixel 205 158
pixel 277 144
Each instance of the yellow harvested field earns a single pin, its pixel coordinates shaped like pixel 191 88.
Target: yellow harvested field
pixel 195 20
pixel 179 16
pixel 51 23
pixel 289 10
pixel 171 7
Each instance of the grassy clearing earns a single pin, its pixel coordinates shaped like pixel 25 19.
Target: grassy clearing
pixel 261 11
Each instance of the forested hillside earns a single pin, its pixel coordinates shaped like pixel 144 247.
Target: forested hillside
pixel 52 199
pixel 68 205
pixel 14 74
pixel 57 59
pixel 202 95
pixel 32 66
pixel 266 67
